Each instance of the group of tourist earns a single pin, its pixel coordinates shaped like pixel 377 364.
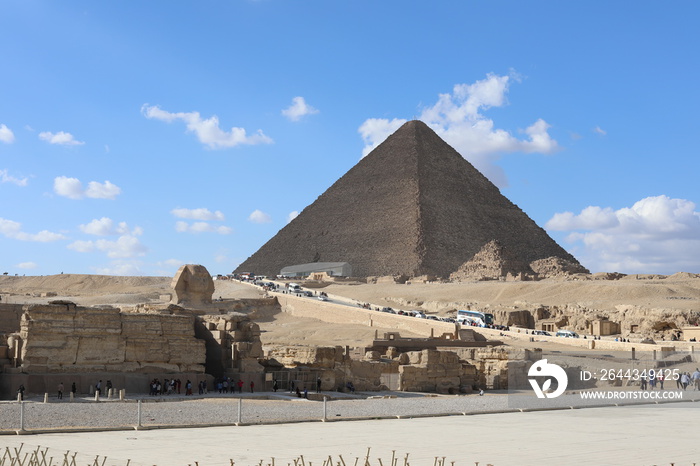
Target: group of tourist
pixel 227 385
pixel 167 387
pixel 683 381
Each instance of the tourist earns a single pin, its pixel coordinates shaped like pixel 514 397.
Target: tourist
pixel 652 381
pixel 274 385
pixel 661 380
pixel 306 393
pixel 318 385
pixel 685 380
pixel 73 389
pixel 240 385
pixel 350 386
pixel 252 385
pixel 298 393
pixel 696 378
pixel 60 390
pixel 188 387
pixel 643 383
pixel 20 391
pixel 291 386
pixel 98 388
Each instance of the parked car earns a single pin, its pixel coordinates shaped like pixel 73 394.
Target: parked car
pixel 541 332
pixel 567 334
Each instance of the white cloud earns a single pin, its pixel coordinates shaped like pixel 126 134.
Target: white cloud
pixel 6 135
pixel 13 230
pixel 105 227
pixel 375 130
pixel 60 138
pixel 600 131
pixel 298 109
pixel 292 215
pixel 124 247
pixel 207 130
pixel 201 227
pixel 258 216
pixel 198 214
pixel 458 119
pixel 72 188
pixel 6 178
pixel 655 235
pixel 27 265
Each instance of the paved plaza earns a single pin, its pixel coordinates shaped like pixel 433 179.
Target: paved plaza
pixel 632 435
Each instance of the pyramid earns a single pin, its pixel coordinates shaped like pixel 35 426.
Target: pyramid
pixel 413 206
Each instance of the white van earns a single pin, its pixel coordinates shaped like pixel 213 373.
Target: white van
pixel 567 334
pixel 293 288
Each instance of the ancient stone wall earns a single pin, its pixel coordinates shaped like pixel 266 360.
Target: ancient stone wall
pixel 10 316
pixel 67 338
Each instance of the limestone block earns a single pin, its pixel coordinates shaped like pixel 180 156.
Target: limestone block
pixel 89 321
pixel 100 350
pixel 159 367
pixel 404 359
pixel 181 325
pixel 144 350
pixel 196 368
pixel 141 325
pixel 57 350
pixel 256 350
pixel 372 356
pixel 131 366
pixel 186 351
pixel 250 365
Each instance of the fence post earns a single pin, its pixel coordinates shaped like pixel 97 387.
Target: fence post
pixel 21 416
pixel 138 426
pixel 325 412
pixel 240 410
pixel 46 397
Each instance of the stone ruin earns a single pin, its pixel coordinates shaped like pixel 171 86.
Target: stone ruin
pixel 195 340
pixel 443 370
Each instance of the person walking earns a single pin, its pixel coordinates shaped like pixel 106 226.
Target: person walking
pixel 60 390
pixel 252 385
pixel 696 378
pixel 318 385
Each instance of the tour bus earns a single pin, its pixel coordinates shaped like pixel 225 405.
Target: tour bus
pixel 480 319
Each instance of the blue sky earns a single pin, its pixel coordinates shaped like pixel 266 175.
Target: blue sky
pixel 138 136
